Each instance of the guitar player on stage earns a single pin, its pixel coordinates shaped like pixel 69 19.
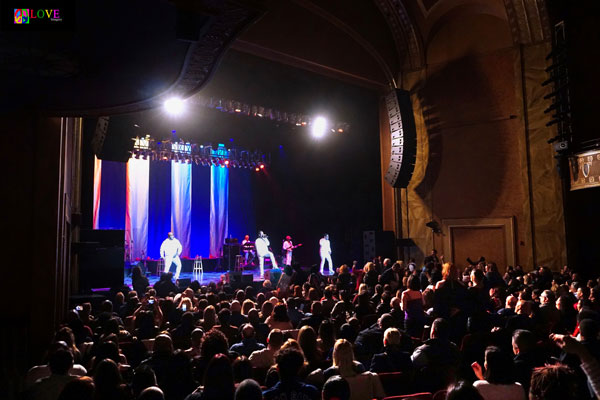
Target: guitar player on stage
pixel 288 248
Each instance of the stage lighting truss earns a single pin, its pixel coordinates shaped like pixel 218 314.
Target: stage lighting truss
pixel 238 107
pixel 146 148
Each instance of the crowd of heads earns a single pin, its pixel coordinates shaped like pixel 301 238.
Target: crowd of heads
pixel 464 331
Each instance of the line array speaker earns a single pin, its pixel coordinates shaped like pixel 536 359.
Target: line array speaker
pixel 403 134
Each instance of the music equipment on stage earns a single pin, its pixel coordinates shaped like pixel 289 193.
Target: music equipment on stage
pixel 231 240
pixel 229 253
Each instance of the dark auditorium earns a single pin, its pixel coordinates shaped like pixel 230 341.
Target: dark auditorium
pixel 300 199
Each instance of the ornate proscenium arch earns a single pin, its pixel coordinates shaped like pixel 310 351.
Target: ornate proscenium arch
pixel 406 39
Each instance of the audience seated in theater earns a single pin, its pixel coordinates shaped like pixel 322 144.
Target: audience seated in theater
pixel 496 377
pixel 162 345
pixel 248 345
pixel 289 364
pixel 393 359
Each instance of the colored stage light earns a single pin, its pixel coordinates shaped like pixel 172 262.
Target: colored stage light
pixel 319 127
pixel 175 106
pixel 226 162
pixel 257 169
pixel 262 166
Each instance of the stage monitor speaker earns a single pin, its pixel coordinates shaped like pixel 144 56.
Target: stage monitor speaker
pixel 112 139
pixel 184 283
pixel 403 134
pixel 235 277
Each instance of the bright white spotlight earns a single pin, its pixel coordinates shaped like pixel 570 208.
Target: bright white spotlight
pixel 175 106
pixel 319 127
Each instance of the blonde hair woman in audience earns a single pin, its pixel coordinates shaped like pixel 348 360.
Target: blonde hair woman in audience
pixel 363 385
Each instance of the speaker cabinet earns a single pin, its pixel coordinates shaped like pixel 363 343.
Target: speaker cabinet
pixel 404 138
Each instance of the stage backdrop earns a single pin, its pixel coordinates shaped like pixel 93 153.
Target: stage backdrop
pixel 150 198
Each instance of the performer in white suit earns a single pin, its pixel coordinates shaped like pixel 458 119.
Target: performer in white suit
pixel 325 253
pixel 170 250
pixel 262 250
pixel 288 248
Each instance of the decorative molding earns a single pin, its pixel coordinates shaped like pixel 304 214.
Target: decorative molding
pixel 528 20
pixel 585 170
pixel 408 45
pixel 506 223
pixel 365 44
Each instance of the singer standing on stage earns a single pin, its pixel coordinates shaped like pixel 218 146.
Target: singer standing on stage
pixel 262 250
pixel 325 253
pixel 288 248
pixel 170 250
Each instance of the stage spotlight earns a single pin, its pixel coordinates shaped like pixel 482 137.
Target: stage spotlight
pixel 262 166
pixel 319 127
pixel 226 162
pixel 257 169
pixel 175 106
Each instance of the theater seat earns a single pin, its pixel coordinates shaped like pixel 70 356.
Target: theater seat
pixel 440 395
pixel 414 396
pixel 395 383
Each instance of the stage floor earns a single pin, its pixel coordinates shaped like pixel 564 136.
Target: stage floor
pixel 206 277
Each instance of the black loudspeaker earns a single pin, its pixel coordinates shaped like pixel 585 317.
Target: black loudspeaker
pixel 101 257
pixel 112 139
pixel 404 138
pixel 247 279
pixel 379 243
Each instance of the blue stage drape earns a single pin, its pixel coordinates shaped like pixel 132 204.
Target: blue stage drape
pixel 181 204
pixel 219 194
pixel 113 195
pixel 159 208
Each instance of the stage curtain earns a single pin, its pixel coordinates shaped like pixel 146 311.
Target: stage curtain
pixel 113 193
pixel 136 218
pixel 219 199
pixel 97 186
pixel 181 204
